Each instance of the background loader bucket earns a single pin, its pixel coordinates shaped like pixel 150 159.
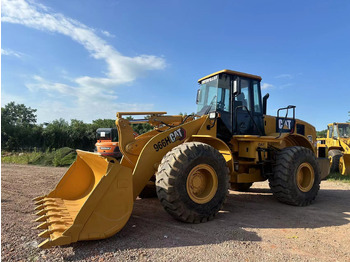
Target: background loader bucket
pixel 344 164
pixel 93 200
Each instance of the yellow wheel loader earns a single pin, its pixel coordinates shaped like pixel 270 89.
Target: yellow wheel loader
pixel 337 147
pixel 195 159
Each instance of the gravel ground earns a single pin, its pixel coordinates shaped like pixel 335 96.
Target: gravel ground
pixel 252 227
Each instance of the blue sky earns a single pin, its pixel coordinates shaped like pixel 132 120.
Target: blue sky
pixel 89 59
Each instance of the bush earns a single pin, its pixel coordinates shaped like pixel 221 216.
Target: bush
pixel 62 157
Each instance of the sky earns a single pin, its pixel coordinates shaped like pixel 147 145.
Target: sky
pixel 90 59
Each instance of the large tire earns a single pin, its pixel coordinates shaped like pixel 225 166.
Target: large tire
pixel 241 187
pixel 334 156
pixel 192 182
pixel 296 179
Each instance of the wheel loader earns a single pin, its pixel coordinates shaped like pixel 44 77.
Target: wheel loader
pixel 337 147
pixel 195 159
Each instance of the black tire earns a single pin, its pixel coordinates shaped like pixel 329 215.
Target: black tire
pixel 174 174
pixel 284 182
pixel 241 187
pixel 335 155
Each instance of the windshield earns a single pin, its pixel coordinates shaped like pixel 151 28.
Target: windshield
pixel 214 95
pixel 207 96
pixel 344 130
pixel 103 135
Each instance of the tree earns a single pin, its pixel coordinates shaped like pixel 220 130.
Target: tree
pixel 322 133
pixel 17 126
pixel 18 115
pixel 56 134
pixel 107 123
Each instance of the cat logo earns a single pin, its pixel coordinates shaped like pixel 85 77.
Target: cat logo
pixel 178 134
pixel 285 124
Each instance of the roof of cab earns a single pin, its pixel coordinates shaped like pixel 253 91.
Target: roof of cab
pixel 231 72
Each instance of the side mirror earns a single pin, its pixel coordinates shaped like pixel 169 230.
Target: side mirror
pixel 265 103
pixel 198 96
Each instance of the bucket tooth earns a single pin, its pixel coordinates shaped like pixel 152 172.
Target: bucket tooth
pixel 45 234
pixel 44 225
pixel 41 212
pixel 40 207
pixel 38 198
pixel 45 244
pixel 41 219
pixel 41 201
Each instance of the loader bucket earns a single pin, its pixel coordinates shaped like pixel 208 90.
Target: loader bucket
pixel 344 164
pixel 93 200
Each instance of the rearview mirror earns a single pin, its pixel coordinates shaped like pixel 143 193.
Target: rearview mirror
pixel 235 87
pixel 198 96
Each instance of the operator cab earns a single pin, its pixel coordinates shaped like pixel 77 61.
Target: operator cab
pixel 107 134
pixel 236 97
pixel 339 130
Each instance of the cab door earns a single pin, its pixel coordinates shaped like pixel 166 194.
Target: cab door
pixel 248 116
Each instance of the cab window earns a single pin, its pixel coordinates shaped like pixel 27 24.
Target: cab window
pixel 335 135
pixel 257 100
pixel 330 131
pixel 243 97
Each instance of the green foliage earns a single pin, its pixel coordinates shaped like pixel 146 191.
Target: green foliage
pixel 64 157
pixel 322 133
pixel 107 123
pixel 61 157
pixel 18 126
pixel 18 115
pixel 338 177
pixel 19 132
pixel 140 128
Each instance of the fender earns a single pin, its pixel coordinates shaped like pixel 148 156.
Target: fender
pixel 299 140
pixel 219 145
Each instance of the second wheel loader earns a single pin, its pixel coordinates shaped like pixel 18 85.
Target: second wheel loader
pixel 337 147
pixel 195 159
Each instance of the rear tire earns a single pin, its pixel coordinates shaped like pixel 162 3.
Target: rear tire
pixel 241 187
pixel 335 156
pixel 296 178
pixel 192 182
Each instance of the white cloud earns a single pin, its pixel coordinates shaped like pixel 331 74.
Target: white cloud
pixel 106 33
pixel 10 52
pixel 84 89
pixel 266 86
pixel 287 76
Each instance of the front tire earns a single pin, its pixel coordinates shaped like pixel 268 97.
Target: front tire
pixel 192 182
pixel 334 156
pixel 296 178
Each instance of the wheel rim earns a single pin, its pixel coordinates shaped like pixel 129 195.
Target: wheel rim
pixel 202 183
pixel 330 160
pixel 305 177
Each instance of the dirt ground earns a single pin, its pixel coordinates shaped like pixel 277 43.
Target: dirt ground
pixel 252 227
